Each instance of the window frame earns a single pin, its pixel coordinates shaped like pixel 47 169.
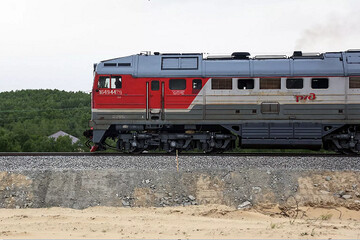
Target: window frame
pixel 302 83
pixel 356 78
pixel 158 85
pixel 177 79
pixel 246 79
pixel 318 88
pixel 271 106
pixel 215 84
pixel 121 81
pixel 104 77
pixel 199 81
pixel 262 80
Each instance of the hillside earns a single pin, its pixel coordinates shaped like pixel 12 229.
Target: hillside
pixel 28 117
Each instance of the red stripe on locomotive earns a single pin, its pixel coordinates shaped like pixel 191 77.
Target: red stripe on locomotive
pixel 132 94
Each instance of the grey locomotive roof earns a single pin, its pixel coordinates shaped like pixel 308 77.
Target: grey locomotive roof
pixel 197 65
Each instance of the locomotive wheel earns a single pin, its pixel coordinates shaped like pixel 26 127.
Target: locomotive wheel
pixel 137 151
pixel 208 150
pixel 173 150
pixel 218 150
pixel 120 145
pixel 347 152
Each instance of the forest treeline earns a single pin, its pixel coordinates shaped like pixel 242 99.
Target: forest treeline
pixel 29 117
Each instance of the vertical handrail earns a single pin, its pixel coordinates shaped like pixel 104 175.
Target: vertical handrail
pixel 347 84
pixel 147 100
pixel 204 102
pixel 162 100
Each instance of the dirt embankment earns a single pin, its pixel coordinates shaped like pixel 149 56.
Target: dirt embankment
pixel 197 222
pixel 241 203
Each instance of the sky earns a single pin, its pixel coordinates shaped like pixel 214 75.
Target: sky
pixel 52 44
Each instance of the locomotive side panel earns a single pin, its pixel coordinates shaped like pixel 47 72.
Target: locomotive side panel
pixel 305 103
pixel 182 101
pixel 353 98
pixel 318 67
pixel 146 99
pixel 118 101
pixel 129 102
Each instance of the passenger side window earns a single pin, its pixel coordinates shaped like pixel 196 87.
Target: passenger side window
pixel 104 82
pixel 354 82
pixel 177 84
pixel 294 83
pixel 270 83
pixel 320 83
pixel 116 82
pixel 246 84
pixel 221 83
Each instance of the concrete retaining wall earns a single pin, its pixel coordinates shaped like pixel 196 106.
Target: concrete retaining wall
pixel 137 188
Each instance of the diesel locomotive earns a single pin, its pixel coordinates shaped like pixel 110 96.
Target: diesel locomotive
pixel 184 101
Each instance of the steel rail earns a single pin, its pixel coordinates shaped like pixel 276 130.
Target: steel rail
pixel 229 154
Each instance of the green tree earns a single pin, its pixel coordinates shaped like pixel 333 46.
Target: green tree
pixel 28 117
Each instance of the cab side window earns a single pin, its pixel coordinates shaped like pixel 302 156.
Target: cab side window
pixel 116 82
pixel 104 82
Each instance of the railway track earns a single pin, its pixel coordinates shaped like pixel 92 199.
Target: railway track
pixel 229 154
pixel 169 162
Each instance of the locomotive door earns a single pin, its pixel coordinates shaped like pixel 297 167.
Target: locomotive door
pixel 155 100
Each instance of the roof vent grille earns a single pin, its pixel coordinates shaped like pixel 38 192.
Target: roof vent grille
pixel 270 57
pixel 240 55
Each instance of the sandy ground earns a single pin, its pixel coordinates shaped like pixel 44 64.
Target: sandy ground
pixel 200 222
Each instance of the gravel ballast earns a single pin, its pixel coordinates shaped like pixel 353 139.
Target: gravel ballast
pixel 20 163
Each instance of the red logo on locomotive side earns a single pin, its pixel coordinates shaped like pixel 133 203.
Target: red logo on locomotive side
pixel 310 97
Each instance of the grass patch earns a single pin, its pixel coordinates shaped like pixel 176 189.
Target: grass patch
pixel 274 225
pixel 325 217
